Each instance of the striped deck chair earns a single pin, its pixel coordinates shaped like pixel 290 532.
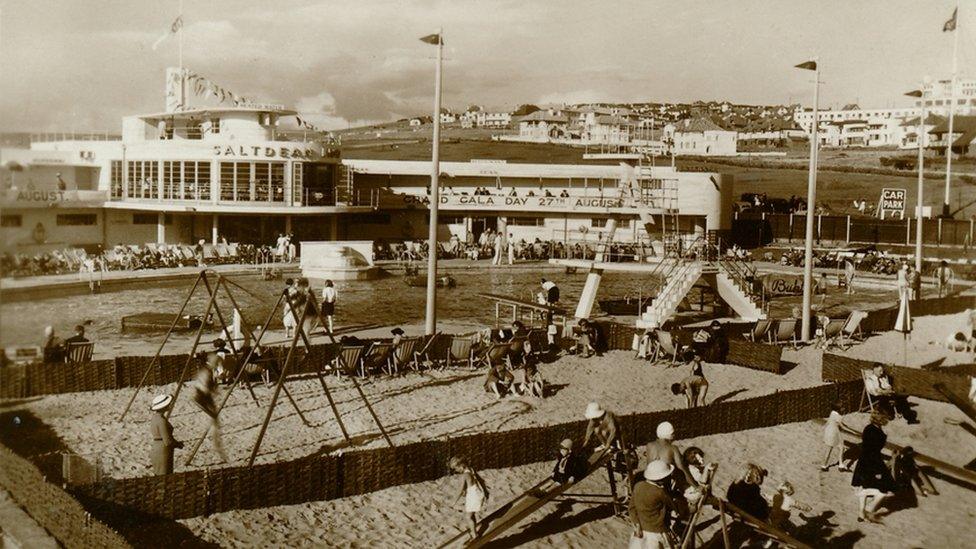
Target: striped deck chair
pixel 461 350
pixel 76 353
pixel 666 346
pixel 492 354
pixel 784 333
pixel 851 331
pixel 426 350
pixel 377 357
pixel 760 331
pixel 403 355
pixel 832 331
pixel 347 361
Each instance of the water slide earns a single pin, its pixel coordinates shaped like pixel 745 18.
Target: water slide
pixel 514 511
pixel 761 526
pixel 964 405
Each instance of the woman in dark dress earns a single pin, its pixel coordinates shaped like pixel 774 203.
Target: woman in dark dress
pixel 871 474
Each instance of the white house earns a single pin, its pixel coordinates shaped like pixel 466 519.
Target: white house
pixel 701 137
pixel 543 126
pixel 494 119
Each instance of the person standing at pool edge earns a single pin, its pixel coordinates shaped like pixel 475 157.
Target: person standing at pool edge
pixel 329 297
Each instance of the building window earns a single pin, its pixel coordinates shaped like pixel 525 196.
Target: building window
pixel 11 221
pixel 143 179
pixel 77 219
pixel 297 169
pixel 116 179
pixel 214 125
pixel 526 221
pixel 252 181
pixel 451 220
pixel 598 223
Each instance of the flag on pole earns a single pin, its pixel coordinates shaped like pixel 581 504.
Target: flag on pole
pixel 173 29
pixel 434 39
pixel 950 25
pixel 809 65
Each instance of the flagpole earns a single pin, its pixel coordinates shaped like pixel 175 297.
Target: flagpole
pixel 431 323
pixel 921 178
pixel 952 109
pixel 811 205
pixel 182 75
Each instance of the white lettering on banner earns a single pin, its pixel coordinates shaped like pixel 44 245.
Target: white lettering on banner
pixel 258 151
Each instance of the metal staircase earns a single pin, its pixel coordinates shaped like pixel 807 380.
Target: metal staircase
pixel 678 281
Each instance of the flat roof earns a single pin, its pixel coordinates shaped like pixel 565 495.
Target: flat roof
pixel 483 169
pixel 208 111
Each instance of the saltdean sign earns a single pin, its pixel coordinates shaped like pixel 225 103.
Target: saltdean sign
pixel 256 151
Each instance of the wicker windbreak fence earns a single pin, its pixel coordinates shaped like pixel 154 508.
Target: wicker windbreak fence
pixel 317 478
pixel 56 510
pixel 908 381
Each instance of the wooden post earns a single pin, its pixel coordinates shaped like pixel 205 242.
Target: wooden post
pixel 725 526
pixel 848 238
pixel 162 344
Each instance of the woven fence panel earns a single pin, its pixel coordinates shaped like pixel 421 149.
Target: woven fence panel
pixel 756 356
pixel 13 381
pixel 908 381
pixel 58 512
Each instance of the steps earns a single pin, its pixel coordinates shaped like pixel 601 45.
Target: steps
pixel 733 288
pixel 679 282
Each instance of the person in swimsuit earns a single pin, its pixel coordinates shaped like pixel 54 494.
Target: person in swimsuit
pixel 832 438
pixel 473 490
pixel 694 386
pixel 664 449
pixel 329 297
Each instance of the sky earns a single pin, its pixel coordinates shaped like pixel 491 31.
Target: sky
pixel 80 65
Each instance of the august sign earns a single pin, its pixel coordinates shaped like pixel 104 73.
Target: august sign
pixel 892 201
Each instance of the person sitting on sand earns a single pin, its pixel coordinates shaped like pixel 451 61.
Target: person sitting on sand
pixel 570 465
pixel 871 476
pixel 499 380
pixel 529 381
pixel 650 508
pixel 663 448
pixel 700 471
pixel 162 433
pixel 783 505
pixel 603 427
pixel 959 343
pixel 473 490
pixel 878 385
pixel 746 492
pixel 907 474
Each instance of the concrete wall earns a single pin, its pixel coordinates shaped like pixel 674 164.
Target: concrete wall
pixel 51 236
pixel 708 194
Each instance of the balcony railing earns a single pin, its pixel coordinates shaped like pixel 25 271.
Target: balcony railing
pixel 74 136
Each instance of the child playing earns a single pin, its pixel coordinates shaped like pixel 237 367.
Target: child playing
pixel 204 395
pixel 499 380
pixel 905 471
pixel 783 504
pixel 833 439
pixel 568 466
pixel 473 490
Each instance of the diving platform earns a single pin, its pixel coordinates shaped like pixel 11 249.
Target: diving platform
pixel 520 306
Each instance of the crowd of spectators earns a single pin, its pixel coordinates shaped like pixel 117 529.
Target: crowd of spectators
pixel 522 250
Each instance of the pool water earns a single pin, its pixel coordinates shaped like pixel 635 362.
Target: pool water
pixel 387 301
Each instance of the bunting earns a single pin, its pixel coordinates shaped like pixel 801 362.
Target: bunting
pixel 203 86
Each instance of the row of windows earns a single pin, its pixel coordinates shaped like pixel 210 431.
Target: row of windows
pixel 61 220
pixel 186 180
pixel 252 181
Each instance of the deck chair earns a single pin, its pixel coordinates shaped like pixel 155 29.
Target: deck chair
pixel 785 332
pixel 424 351
pixel 517 353
pixel 403 355
pixel 347 361
pixel 461 350
pixel 76 353
pixel 832 331
pixel 865 395
pixel 851 331
pixel 492 354
pixel 666 346
pixel 536 341
pixel 377 357
pixel 760 331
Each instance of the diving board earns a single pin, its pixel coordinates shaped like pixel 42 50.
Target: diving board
pixel 530 501
pixel 518 305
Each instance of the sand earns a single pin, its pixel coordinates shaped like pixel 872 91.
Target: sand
pixel 424 406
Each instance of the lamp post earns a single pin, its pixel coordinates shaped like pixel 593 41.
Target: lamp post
pixel 920 93
pixel 805 328
pixel 431 312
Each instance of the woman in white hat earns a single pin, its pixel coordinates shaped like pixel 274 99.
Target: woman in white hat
pixel 603 425
pixel 650 507
pixel 162 433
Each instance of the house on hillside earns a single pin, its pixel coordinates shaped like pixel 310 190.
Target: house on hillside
pixel 963 136
pixel 494 119
pixel 543 125
pixel 701 137
pixel 909 138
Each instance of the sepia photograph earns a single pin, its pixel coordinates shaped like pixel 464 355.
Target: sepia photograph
pixel 640 274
